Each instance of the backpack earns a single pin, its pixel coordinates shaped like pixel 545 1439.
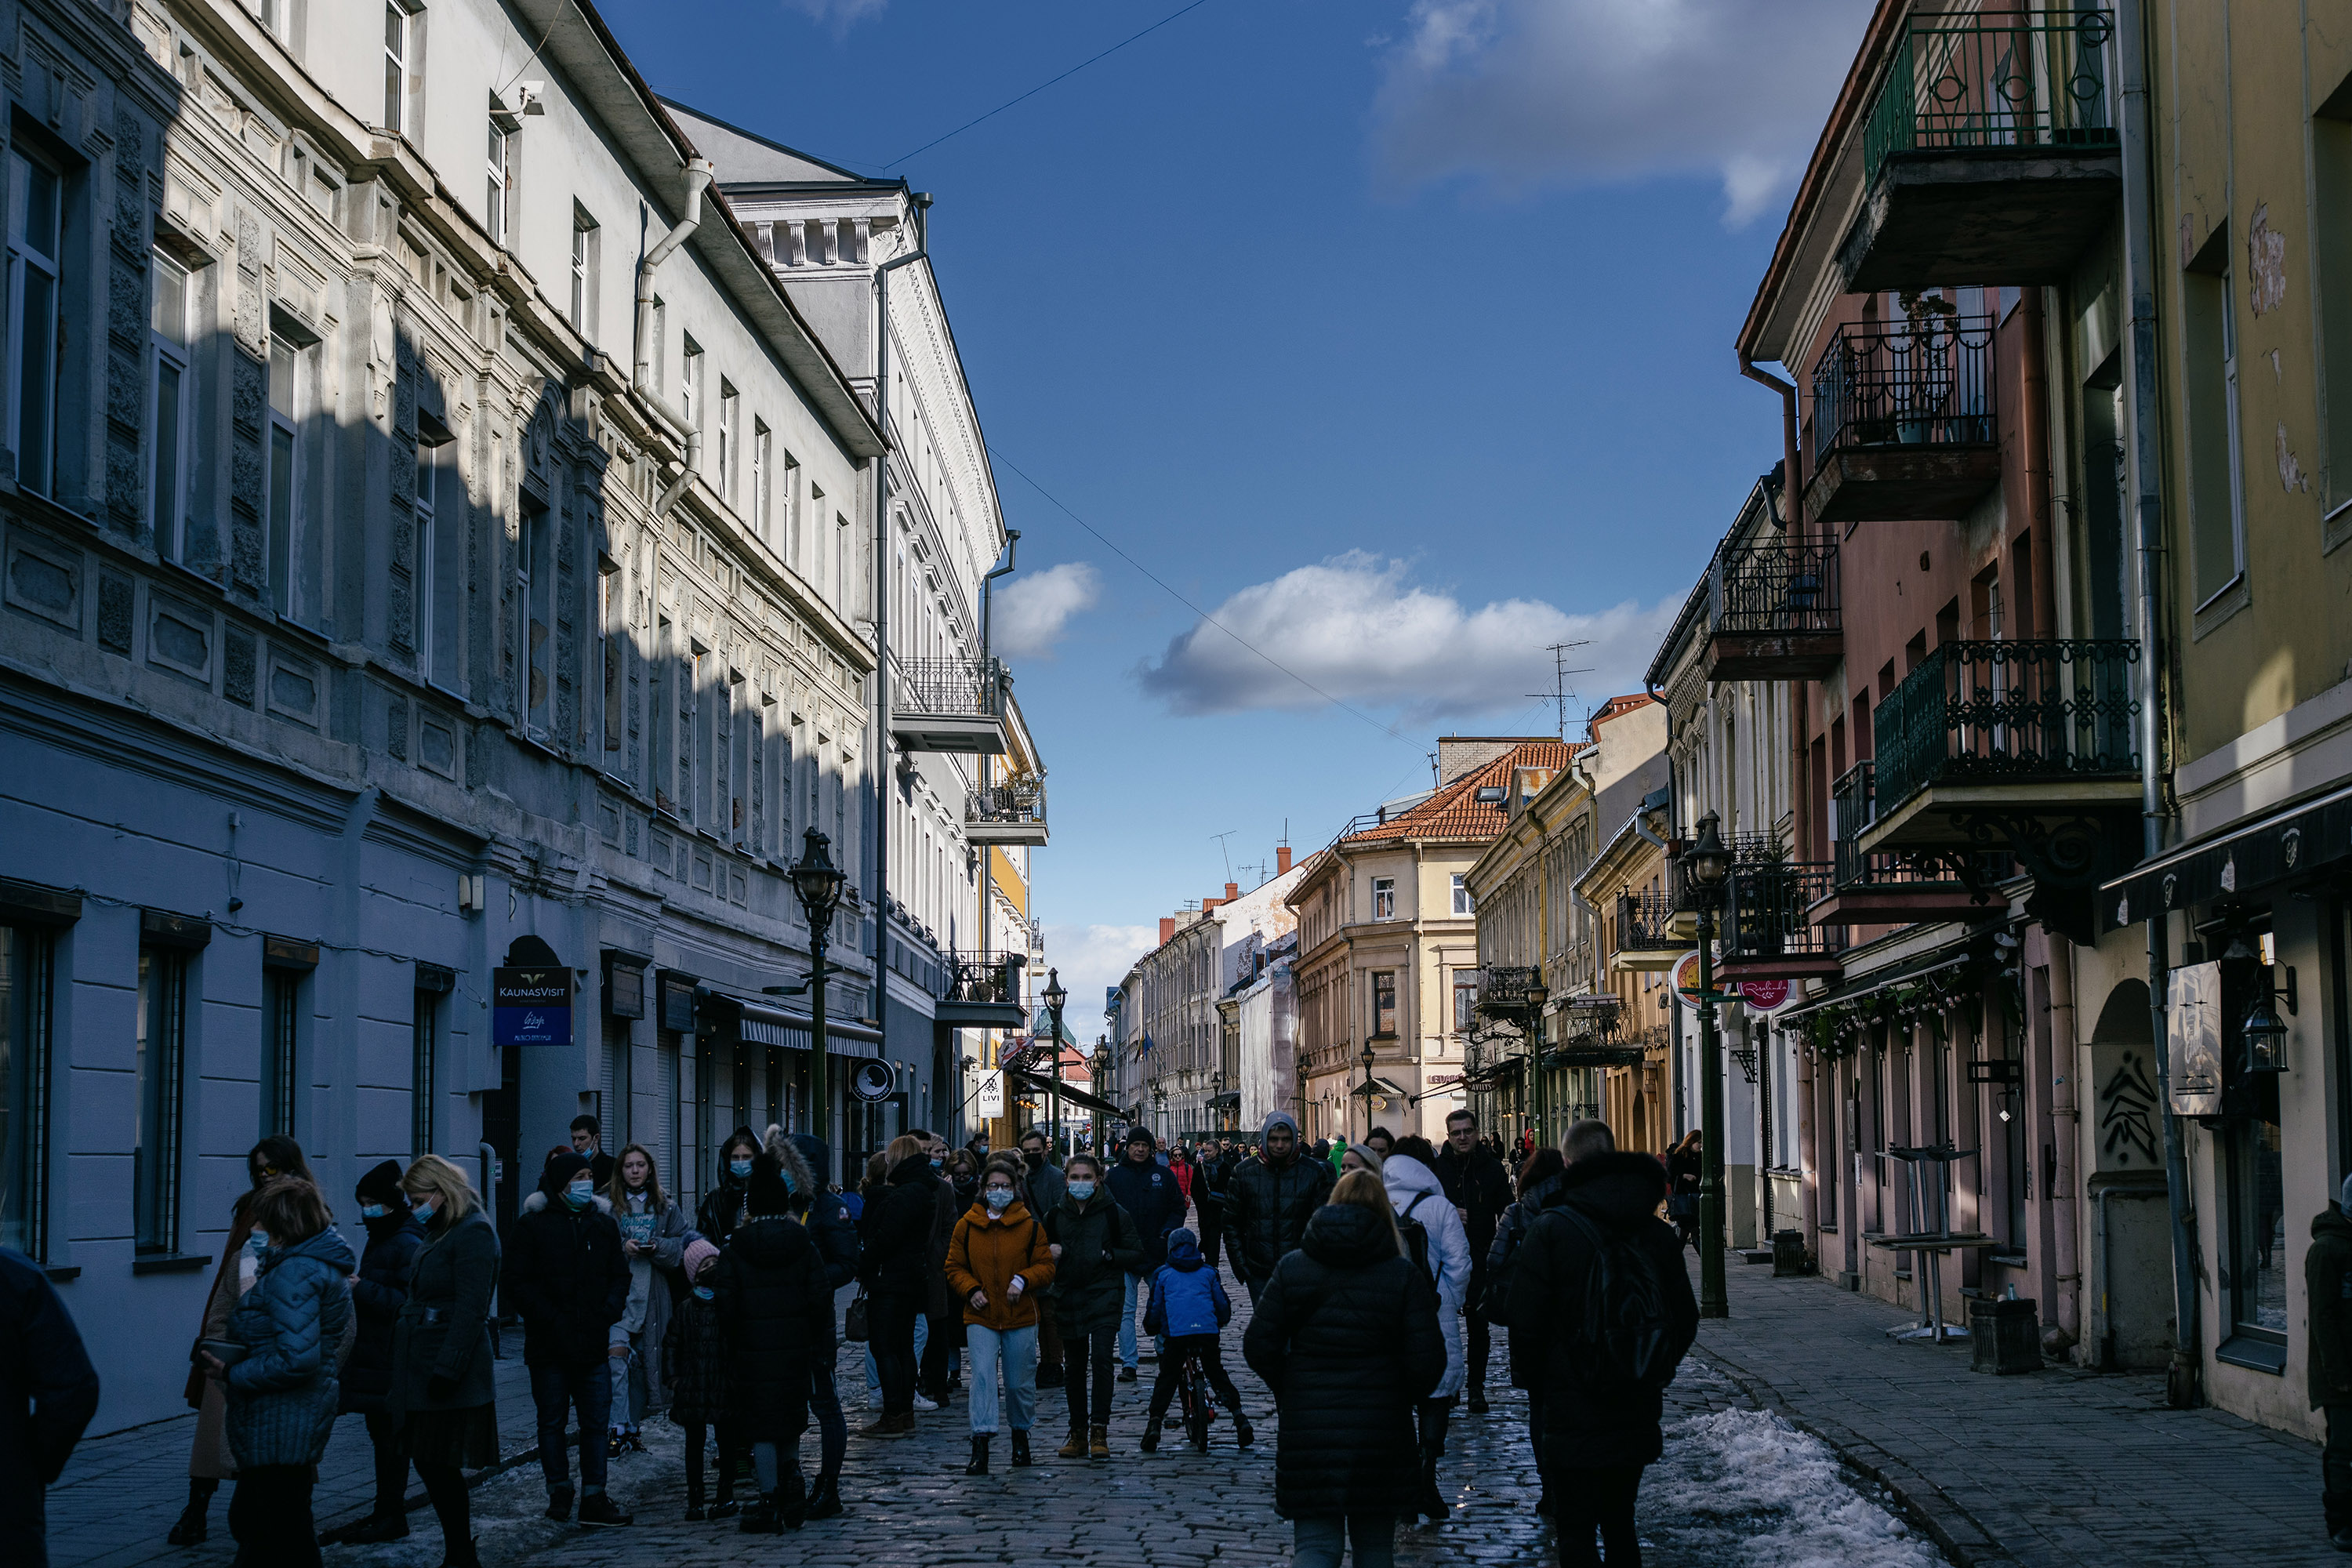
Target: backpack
pixel 1414 1234
pixel 1495 1306
pixel 1624 1316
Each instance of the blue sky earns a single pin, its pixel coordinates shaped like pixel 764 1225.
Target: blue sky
pixel 1394 333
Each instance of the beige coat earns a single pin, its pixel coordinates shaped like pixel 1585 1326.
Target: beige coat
pixel 209 1455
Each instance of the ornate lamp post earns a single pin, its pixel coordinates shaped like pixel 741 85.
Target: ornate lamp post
pixel 818 881
pixel 1538 994
pixel 1707 862
pixel 1367 1087
pixel 1054 996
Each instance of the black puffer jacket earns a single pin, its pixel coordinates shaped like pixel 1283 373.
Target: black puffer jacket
pixel 1099 1248
pixel 1478 1183
pixel 1503 1251
pixel 1583 1429
pixel 377 1292
pixel 897 1260
pixel 1346 1335
pixel 777 1317
pixel 565 1274
pixel 695 1354
pixel 1267 1207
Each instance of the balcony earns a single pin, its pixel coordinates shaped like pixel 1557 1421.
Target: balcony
pixel 1651 933
pixel 1766 935
pixel 1990 155
pixel 1903 421
pixel 983 991
pixel 1900 890
pixel 948 705
pixel 1772 613
pixel 1503 990
pixel 1010 812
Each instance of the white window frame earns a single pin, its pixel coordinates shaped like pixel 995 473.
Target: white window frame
pixel 399 65
pixel 689 373
pixel 1384 898
pixel 730 402
pixel 1462 903
pixel 169 355
pixel 27 262
pixel 584 279
pixel 498 160
pixel 761 441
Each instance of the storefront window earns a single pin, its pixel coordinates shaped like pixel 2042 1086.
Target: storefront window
pixel 2256 1278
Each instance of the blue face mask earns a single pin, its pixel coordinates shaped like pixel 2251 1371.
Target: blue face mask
pixel 257 1242
pixel 424 1213
pixel 939 1162
pixel 738 1169
pixel 703 1292
pixel 790 1185
pixel 581 1193
pixel 373 1211
pixel 1082 1189
pixel 998 1199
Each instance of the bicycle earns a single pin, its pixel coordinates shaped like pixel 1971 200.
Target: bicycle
pixel 1199 1408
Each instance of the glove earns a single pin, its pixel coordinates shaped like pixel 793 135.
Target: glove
pixel 440 1389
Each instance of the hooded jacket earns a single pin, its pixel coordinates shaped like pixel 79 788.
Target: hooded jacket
pixel 1584 1429
pixel 898 1231
pixel 2328 1286
pixel 565 1273
pixel 777 1317
pixel 1345 1332
pixel 386 1264
pixel 722 1208
pixel 1099 1248
pixel 984 1254
pixel 1509 1234
pixel 1267 1206
pixel 1187 1296
pixel 1413 1187
pixel 1150 1195
pixel 282 1395
pixel 827 1217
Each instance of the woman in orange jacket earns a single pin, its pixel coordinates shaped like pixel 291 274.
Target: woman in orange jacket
pixel 998 1259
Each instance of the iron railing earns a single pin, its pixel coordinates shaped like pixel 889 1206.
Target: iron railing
pixel 1853 807
pixel 2025 78
pixel 1774 589
pixel 1927 381
pixel 1764 910
pixel 2009 712
pixel 1504 987
pixel 985 976
pixel 1008 804
pixel 972 687
pixel 1642 922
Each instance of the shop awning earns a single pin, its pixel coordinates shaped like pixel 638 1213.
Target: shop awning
pixel 767 1025
pixel 1229 1100
pixel 1379 1086
pixel 2285 843
pixel 1495 1073
pixel 1030 1083
pixel 1937 962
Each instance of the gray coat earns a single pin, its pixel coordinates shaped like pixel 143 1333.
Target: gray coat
pixel 443 1330
pixel 282 1395
pixel 649 1289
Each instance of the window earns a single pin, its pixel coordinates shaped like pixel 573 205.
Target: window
pixel 1462 904
pixel 1465 1004
pixel 760 442
pixel 1384 898
pixel 427 577
pixel 613 629
pixel 815 564
pixel 690 379
pixel 500 160
pixel 792 514
pixel 399 63
pixel 285 481
pixel 1384 1009
pixel 424 1041
pixel 168 386
pixel 615 1092
pixel 2217 545
pixel 281 1051
pixel 26 961
pixel 534 597
pixel 155 1133
pixel 35 203
pixel 583 274
pixel 727 403
pixel 276 17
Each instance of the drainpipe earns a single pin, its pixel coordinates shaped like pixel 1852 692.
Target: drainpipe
pixel 2140 272
pixel 2065 1112
pixel 920 204
pixel 699 174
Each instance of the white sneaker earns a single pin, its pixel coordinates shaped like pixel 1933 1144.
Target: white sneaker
pixel 923 1404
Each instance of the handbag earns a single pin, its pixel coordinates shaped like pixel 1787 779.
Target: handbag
pixel 852 1323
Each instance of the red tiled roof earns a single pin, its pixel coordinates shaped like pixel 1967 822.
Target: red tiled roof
pixel 1617 707
pixel 1456 811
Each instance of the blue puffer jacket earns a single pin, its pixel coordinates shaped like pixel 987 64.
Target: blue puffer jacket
pixel 281 1396
pixel 1187 1296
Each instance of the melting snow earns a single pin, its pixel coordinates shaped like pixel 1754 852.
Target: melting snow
pixel 1744 1487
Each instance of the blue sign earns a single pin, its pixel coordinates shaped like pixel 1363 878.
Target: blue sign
pixel 530 1007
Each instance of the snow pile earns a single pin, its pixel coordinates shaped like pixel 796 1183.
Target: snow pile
pixel 1743 1486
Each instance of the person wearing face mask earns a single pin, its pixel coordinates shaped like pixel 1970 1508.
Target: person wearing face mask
pixel 776 1313
pixel 1041 1189
pixel 394 1239
pixel 1149 1192
pixel 653 1238
pixel 695 1352
pixel 896 1272
pixel 568 1277
pixel 721 1209
pixel 442 1389
pixel 1093 1243
pixel 821 1210
pixel 997 1260
pixel 209 1460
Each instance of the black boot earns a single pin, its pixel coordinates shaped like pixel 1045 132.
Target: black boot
pixel 599 1509
pixel 759 1519
pixel 467 1554
pixel 192 1527
pixel 978 1466
pixel 825 1497
pixel 792 1499
pixel 1433 1501
pixel 1151 1433
pixel 1020 1450
pixel 558 1504
pixel 1244 1432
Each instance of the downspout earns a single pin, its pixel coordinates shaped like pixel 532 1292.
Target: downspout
pixel 2065 1112
pixel 881 953
pixel 698 174
pixel 2140 272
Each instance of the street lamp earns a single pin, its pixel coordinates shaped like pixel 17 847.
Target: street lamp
pixel 1054 996
pixel 818 881
pixel 1368 1088
pixel 1531 1092
pixel 1705 863
pixel 1216 1098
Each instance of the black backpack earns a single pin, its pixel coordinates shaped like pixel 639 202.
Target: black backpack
pixel 1508 1235
pixel 1624 1315
pixel 1414 1234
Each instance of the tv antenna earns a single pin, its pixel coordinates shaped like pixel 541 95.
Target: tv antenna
pixel 1226 849
pixel 1561 691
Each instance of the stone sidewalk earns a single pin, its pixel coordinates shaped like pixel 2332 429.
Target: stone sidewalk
pixel 2059 1467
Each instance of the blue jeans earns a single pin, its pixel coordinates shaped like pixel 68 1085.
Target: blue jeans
pixel 629 1384
pixel 874 1372
pixel 556 1390
pixel 1017 1349
pixel 1137 1297
pixel 1316 1543
pixel 833 1428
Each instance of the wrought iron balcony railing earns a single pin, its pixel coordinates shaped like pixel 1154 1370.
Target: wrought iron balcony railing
pixel 1018 802
pixel 1503 987
pixel 986 976
pixel 1774 590
pixel 1644 922
pixel 1764 910
pixel 1993 79
pixel 969 688
pixel 2009 712
pixel 1853 807
pixel 1925 381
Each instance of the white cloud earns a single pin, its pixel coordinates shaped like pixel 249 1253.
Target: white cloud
pixel 1517 94
pixel 1355 626
pixel 840 14
pixel 1033 611
pixel 1090 958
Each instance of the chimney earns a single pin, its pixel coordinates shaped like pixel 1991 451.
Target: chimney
pixel 1282 859
pixel 1232 891
pixel 1166 930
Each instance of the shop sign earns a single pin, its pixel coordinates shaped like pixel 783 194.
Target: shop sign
pixel 989 1103
pixel 2192 1027
pixel 873 1081
pixel 530 1007
pixel 1764 996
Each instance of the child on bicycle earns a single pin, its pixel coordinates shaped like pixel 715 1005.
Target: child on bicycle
pixel 1189 1307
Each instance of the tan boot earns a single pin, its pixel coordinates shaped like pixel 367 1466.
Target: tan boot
pixel 1098 1442
pixel 1075 1448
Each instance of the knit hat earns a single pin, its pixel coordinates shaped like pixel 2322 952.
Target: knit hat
pixel 767 1193
pixel 1367 1154
pixel 1279 1119
pixel 1140 1135
pixel 697 1252
pixel 380 1185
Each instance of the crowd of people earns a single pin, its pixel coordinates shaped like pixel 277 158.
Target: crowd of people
pixel 1374 1270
